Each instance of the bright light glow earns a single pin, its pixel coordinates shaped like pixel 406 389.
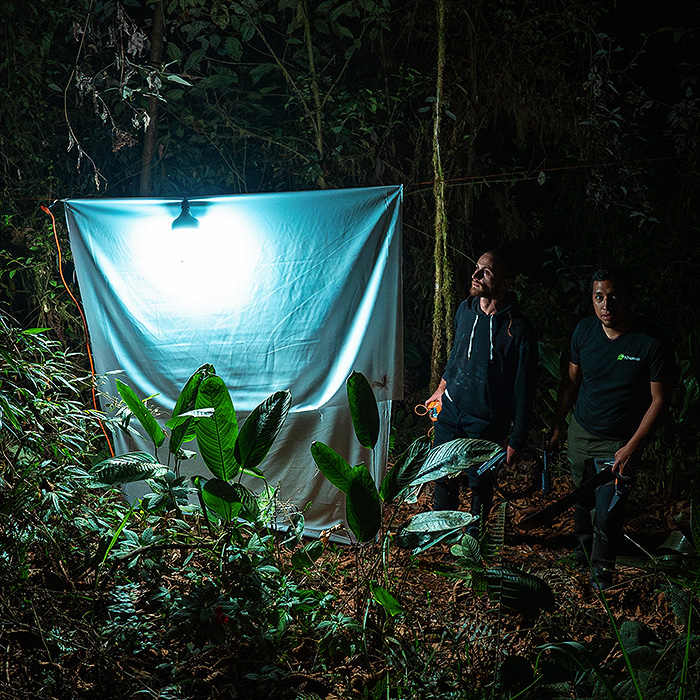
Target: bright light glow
pixel 210 268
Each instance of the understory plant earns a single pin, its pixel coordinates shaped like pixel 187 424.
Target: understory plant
pixel 418 465
pixel 204 410
pixel 146 595
pixel 253 595
pixel 45 434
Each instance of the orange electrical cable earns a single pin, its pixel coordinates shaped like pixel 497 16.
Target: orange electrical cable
pixel 82 316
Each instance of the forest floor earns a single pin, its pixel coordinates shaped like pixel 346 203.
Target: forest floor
pixel 446 640
pixel 455 638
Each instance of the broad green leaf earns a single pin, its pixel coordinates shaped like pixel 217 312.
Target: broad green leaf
pixel 184 432
pixel 118 532
pixel 454 457
pixel 261 428
pixel 254 472
pixel 193 59
pixel 425 530
pixel 230 501
pixel 331 465
pixel 222 499
pixel 9 412
pixel 216 436
pixel 385 599
pixel 363 507
pixel 126 468
pixel 178 79
pixel 307 555
pixel 177 421
pixel 418 542
pixel 363 409
pixel 143 415
pixel 469 550
pixel 676 543
pixel 439 520
pixel 405 469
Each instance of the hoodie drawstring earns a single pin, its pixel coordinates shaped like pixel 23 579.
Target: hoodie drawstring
pixel 473 333
pixel 471 337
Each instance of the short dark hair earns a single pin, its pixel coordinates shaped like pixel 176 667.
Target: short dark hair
pixel 506 260
pixel 615 274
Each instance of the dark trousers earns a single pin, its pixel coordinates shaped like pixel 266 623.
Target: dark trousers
pixel 450 426
pixel 599 528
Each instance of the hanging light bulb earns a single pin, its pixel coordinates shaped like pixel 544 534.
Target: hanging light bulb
pixel 185 219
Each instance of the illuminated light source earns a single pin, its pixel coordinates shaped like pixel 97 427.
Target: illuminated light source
pixel 185 219
pixel 185 270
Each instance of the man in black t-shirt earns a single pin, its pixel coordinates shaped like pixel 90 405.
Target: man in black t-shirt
pixel 619 382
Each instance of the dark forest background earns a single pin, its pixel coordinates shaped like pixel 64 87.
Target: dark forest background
pixel 567 130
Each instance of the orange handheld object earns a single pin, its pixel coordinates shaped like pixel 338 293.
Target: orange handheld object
pixel 434 407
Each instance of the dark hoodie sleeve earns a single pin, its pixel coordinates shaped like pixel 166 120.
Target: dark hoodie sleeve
pixel 524 391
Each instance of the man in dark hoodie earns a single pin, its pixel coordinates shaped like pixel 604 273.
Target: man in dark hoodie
pixel 488 386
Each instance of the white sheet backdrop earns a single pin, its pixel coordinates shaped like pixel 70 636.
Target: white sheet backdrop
pixel 277 291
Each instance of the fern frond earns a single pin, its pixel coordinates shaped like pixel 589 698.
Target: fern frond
pixel 126 468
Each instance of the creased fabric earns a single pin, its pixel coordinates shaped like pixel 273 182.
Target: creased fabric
pixel 277 291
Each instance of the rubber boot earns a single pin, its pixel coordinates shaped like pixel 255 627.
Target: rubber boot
pixel 446 494
pixel 583 527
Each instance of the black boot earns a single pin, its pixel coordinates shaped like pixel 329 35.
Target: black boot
pixel 583 527
pixel 446 494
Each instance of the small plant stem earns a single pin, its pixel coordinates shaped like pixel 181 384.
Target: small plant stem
pixel 686 655
pixel 41 631
pixel 626 657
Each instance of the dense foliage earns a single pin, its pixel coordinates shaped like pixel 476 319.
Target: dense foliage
pixel 567 130
pixel 167 599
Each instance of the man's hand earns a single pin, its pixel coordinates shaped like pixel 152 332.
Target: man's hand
pixel 556 440
pixel 437 394
pixel 626 459
pixel 511 454
pixel 628 456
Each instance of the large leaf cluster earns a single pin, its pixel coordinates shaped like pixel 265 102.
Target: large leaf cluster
pixel 204 410
pixel 363 501
pixel 42 413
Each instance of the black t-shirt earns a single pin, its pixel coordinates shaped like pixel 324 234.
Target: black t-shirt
pixel 615 392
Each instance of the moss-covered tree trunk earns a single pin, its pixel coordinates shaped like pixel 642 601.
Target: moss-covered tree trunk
pixel 443 308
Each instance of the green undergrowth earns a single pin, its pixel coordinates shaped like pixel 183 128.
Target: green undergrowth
pixel 204 589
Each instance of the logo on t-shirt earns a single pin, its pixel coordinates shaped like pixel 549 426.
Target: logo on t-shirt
pixel 621 356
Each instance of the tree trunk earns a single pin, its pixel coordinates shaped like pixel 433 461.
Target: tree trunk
pixel 318 106
pixel 149 141
pixel 443 308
